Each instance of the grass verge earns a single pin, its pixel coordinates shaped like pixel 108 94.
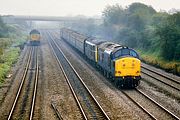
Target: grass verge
pixel 155 60
pixel 9 58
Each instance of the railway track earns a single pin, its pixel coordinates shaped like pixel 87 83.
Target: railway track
pixel 56 111
pixel 24 102
pixel 152 108
pixel 24 55
pixel 176 80
pixel 171 82
pixel 88 105
pixel 157 107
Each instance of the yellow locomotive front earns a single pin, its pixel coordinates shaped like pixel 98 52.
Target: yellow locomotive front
pixel 127 68
pixel 34 37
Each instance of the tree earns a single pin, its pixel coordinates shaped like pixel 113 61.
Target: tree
pixel 140 26
pixel 113 15
pixel 3 29
pixel 169 32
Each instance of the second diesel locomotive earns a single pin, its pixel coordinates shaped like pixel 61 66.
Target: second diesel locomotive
pixel 119 63
pixel 34 37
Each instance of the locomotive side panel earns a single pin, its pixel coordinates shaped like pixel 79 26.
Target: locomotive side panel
pixel 91 51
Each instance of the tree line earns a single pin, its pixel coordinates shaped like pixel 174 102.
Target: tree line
pixel 3 29
pixel 10 34
pixel 142 27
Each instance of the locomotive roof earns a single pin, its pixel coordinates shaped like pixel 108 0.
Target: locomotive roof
pixel 34 31
pixel 111 47
pixel 95 41
pixel 105 45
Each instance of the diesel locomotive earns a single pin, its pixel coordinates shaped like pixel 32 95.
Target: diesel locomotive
pixel 117 62
pixel 34 37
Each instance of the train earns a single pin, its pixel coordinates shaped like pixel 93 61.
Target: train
pixel 34 37
pixel 118 63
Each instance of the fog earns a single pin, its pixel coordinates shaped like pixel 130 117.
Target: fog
pixel 74 7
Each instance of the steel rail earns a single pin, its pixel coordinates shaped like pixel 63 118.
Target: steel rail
pixel 149 114
pixel 56 111
pixel 96 102
pixel 162 75
pixel 178 89
pixel 163 108
pixel 138 104
pixel 21 84
pixel 69 84
pixel 35 86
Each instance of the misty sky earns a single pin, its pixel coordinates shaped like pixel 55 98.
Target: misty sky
pixel 73 7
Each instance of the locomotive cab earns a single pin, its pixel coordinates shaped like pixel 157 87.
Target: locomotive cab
pixel 127 67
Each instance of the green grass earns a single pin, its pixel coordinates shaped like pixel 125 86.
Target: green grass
pixel 9 57
pixel 20 41
pixel 9 53
pixel 153 58
pixel 10 48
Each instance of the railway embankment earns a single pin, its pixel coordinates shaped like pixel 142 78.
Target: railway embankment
pixel 10 47
pixel 169 66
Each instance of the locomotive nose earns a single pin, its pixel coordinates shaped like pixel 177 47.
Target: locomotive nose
pixel 128 66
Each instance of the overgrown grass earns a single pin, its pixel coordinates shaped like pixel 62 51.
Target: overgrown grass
pixel 21 40
pixel 9 57
pixel 9 53
pixel 154 59
pixel 12 38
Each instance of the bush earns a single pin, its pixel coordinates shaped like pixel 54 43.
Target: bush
pixel 155 60
pixel 4 68
pixel 10 57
